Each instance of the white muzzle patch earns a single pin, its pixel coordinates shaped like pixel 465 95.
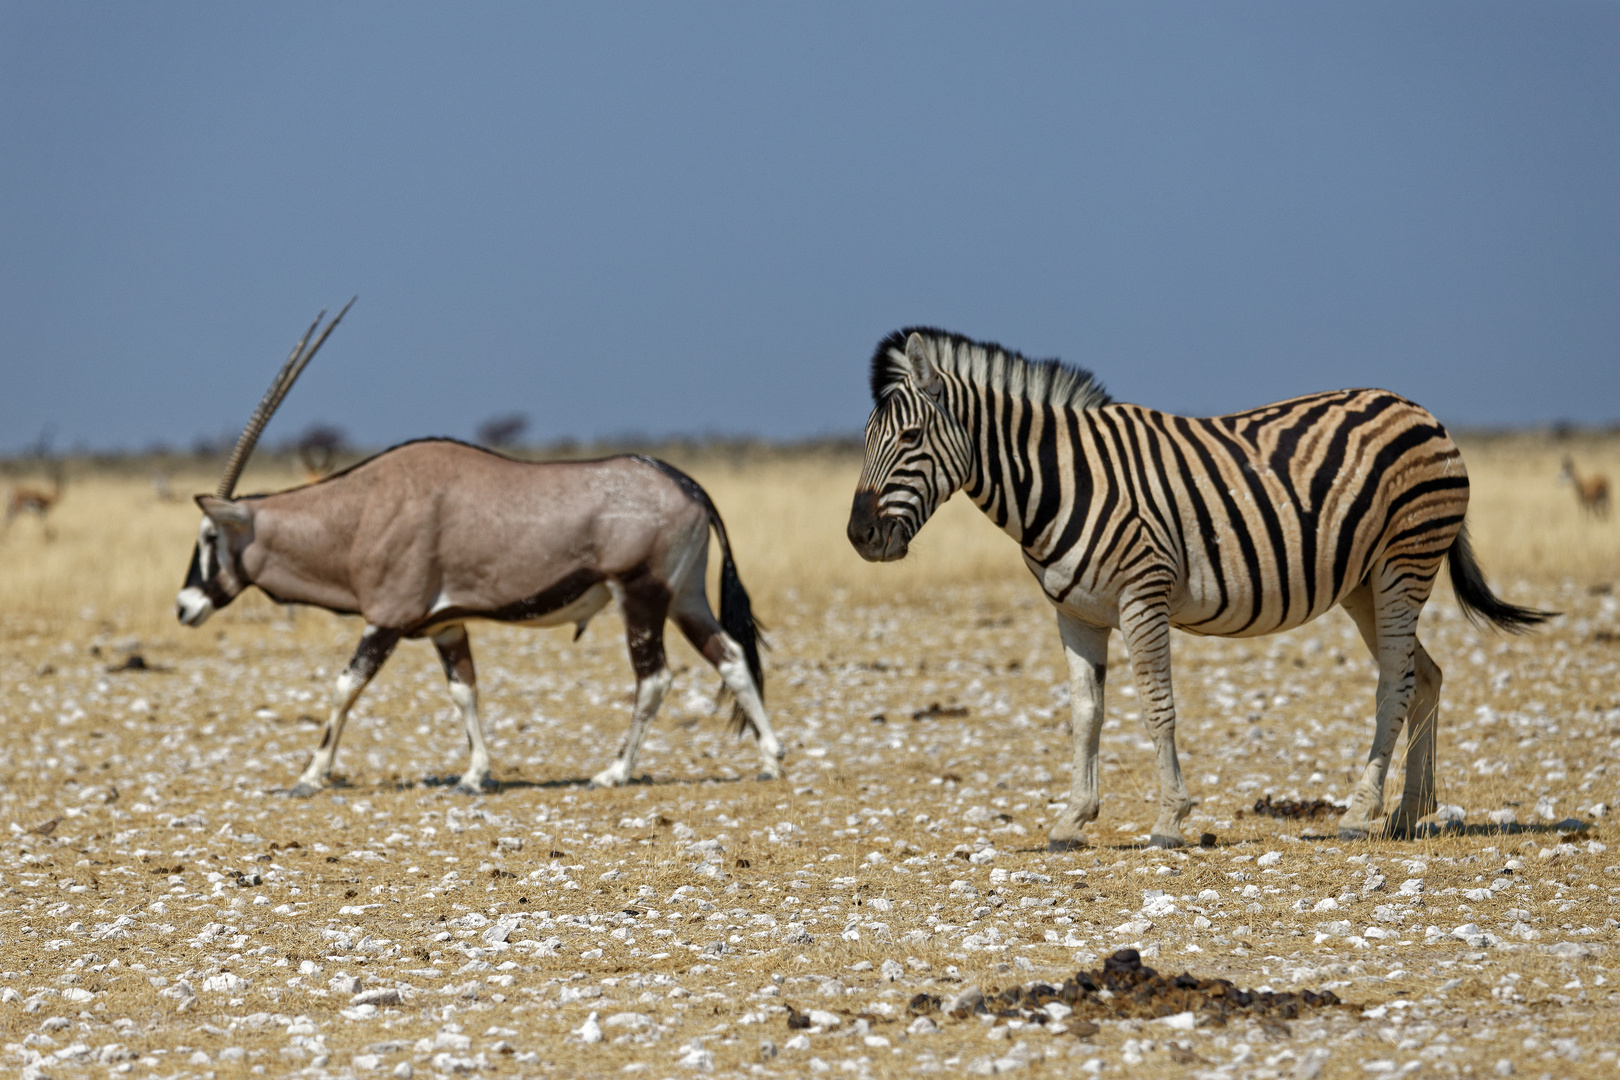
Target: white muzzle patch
pixel 193 607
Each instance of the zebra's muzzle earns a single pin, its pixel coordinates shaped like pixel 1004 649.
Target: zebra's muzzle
pixel 875 538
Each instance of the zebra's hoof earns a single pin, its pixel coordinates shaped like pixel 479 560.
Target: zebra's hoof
pixel 302 790
pixel 1155 840
pixel 1065 845
pixel 1399 830
pixel 1348 833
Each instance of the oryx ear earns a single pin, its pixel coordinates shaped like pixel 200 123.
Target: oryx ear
pixel 229 516
pixel 924 374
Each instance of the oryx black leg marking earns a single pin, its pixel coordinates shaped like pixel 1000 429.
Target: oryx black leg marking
pixel 455 653
pixel 644 604
pixel 376 644
pixel 698 623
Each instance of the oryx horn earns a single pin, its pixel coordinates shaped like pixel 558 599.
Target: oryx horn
pixel 272 398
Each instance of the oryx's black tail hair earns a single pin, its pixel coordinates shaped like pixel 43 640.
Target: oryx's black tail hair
pixel 1476 598
pixel 736 610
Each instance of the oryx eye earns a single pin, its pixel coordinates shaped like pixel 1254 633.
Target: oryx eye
pixel 910 437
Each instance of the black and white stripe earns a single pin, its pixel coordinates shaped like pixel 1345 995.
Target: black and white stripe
pixel 1141 520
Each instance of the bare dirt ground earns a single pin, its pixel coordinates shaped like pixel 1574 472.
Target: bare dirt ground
pixel 166 911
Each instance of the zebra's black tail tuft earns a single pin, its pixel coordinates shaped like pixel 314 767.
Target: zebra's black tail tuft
pixel 1475 597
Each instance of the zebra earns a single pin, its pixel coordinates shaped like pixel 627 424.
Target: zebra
pixel 1139 520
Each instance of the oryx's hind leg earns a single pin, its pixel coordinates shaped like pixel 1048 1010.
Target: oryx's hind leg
pixel 697 622
pixel 644 604
pixel 455 653
pixel 375 646
pixel 1387 619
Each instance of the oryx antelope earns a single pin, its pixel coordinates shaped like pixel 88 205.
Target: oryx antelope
pixel 1138 520
pixel 430 534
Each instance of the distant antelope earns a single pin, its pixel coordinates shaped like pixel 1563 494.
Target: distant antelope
pixel 1591 491
pixel 427 535
pixel 35 500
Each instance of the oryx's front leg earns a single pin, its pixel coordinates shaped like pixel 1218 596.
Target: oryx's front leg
pixel 1086 648
pixel 455 653
pixel 375 646
pixel 1146 627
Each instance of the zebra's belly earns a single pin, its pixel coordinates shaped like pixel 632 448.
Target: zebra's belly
pixel 1239 614
pixel 1197 607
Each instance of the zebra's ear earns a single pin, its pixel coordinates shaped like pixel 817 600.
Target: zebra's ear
pixel 924 373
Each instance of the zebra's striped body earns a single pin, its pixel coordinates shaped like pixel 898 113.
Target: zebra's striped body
pixel 1138 520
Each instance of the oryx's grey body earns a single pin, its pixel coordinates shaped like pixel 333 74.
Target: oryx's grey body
pixel 428 535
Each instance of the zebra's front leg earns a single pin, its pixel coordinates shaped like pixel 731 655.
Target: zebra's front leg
pixel 455 653
pixel 1146 626
pixel 376 643
pixel 1086 649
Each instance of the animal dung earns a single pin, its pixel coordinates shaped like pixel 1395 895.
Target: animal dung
pixel 1124 988
pixel 1296 809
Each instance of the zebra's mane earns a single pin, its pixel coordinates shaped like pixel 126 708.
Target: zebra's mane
pixel 986 364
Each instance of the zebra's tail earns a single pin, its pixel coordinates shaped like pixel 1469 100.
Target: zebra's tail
pixel 1475 597
pixel 736 610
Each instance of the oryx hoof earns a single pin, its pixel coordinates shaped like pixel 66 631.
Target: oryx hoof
pixel 1353 832
pixel 767 774
pixel 302 790
pixel 483 786
pixel 1159 840
pixel 1074 844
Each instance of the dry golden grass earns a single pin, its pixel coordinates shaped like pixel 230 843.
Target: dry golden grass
pixel 124 793
pixel 120 551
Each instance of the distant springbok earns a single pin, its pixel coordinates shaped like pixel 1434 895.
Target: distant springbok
pixel 1591 490
pixel 427 535
pixel 36 500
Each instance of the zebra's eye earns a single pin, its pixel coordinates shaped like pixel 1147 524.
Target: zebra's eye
pixel 910 437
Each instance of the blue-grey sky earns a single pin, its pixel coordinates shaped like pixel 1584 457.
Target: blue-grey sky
pixel 699 218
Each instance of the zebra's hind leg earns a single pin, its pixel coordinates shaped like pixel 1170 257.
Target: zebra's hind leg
pixel 1086 648
pixel 1418 793
pixel 1146 626
pixel 1388 625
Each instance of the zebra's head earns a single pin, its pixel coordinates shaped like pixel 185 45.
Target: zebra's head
pixel 216 576
pixel 917 452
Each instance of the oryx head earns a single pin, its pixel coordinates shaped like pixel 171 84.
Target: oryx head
pixel 216 576
pixel 917 452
